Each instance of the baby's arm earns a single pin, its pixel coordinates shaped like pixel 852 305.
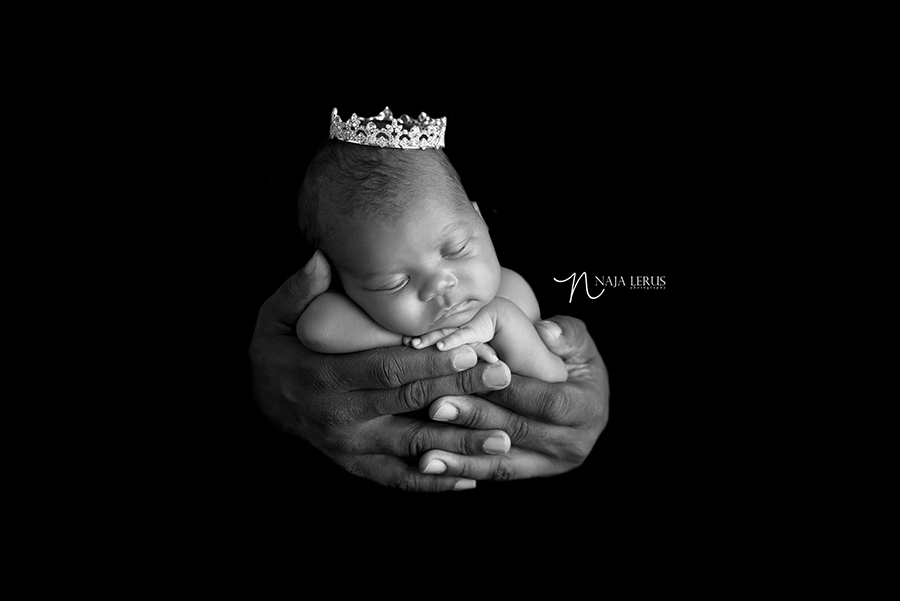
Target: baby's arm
pixel 332 323
pixel 512 334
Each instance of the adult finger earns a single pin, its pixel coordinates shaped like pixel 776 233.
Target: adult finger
pixel 408 437
pixel 394 472
pixel 553 403
pixel 476 413
pixel 568 338
pixel 515 465
pixel 418 394
pixel 283 309
pixel 395 366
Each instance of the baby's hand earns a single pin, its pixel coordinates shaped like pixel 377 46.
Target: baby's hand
pixel 426 340
pixel 482 349
pixel 479 330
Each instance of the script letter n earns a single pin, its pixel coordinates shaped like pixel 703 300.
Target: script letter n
pixel 575 282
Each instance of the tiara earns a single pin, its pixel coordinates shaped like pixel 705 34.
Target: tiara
pixel 387 132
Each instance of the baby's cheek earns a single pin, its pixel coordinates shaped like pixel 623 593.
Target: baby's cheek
pixel 415 319
pixel 404 316
pixel 486 279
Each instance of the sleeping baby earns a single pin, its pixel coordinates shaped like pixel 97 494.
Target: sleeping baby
pixel 414 260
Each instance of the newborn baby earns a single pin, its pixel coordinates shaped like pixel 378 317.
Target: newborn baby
pixel 414 261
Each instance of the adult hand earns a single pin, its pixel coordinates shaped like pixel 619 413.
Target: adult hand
pixel 351 406
pixel 553 427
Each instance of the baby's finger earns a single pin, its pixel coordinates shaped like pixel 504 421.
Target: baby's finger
pixel 426 340
pixel 485 352
pixel 464 335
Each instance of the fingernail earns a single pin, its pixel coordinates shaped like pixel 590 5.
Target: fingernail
pixel 496 375
pixel 464 358
pixel 446 413
pixel 464 484
pixel 435 466
pixel 497 444
pixel 552 328
pixel 312 264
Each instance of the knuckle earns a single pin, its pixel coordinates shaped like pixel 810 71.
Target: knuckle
pixel 469 381
pixel 503 470
pixel 323 377
pixel 388 370
pixel 518 428
pixel 402 482
pixel 471 412
pixel 413 396
pixel 555 405
pixel 409 482
pixel 477 416
pixel 416 440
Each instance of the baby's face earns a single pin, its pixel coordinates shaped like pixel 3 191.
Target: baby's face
pixel 433 267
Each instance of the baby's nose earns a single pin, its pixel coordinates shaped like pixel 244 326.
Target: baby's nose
pixel 438 285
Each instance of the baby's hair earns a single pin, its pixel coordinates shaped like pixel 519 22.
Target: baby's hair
pixel 345 180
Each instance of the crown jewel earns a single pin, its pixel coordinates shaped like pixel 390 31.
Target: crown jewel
pixel 385 131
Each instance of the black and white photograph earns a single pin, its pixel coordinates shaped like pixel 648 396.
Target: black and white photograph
pixel 459 303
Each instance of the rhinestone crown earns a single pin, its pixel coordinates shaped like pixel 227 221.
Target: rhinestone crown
pixel 385 131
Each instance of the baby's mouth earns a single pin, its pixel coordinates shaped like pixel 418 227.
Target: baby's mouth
pixel 454 310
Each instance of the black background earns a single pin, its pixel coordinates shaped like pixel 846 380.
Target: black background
pixel 600 173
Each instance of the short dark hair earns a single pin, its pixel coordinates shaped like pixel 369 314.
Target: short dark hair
pixel 344 180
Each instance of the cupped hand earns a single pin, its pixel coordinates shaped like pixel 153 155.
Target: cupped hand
pixel 553 426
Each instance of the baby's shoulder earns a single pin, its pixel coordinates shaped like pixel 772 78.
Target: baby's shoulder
pixel 513 287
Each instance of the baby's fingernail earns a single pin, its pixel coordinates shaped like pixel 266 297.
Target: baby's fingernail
pixel 496 375
pixel 440 346
pixel 435 466
pixel 552 328
pixel 446 413
pixel 416 341
pixel 312 264
pixel 464 358
pixel 464 484
pixel 497 444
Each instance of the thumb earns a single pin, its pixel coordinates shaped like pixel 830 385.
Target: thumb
pixel 285 306
pixel 566 337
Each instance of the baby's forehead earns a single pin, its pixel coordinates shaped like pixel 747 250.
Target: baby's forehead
pixel 419 228
pixel 431 213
